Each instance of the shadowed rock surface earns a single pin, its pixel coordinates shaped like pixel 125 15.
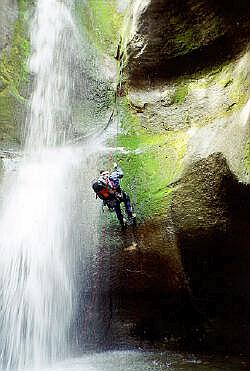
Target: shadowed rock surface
pixel 176 37
pixel 186 86
pixel 183 283
pixel 210 213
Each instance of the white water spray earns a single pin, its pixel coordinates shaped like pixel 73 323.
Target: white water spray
pixel 53 42
pixel 36 304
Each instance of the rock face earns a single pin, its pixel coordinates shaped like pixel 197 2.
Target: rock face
pixel 210 214
pixel 94 89
pixel 185 282
pixel 172 37
pixel 8 16
pixel 14 50
pixel 185 112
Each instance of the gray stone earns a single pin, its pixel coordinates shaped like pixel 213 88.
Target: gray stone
pixel 8 16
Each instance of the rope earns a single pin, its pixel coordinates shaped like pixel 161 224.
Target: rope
pixel 118 91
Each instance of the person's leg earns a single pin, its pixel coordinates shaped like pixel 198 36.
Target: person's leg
pixel 118 211
pixel 128 207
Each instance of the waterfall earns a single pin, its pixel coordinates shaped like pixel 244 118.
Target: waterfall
pixel 38 235
pixel 52 40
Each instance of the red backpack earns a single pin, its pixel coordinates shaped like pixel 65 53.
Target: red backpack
pixel 103 190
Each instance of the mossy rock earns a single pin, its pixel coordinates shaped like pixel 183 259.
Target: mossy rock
pixel 247 158
pixel 103 22
pixel 195 37
pixel 14 76
pixel 150 162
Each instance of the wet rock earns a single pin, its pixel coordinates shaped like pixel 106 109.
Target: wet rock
pixel 148 293
pixel 195 35
pixel 13 74
pixel 210 214
pixel 146 262
pixel 8 16
pixel 188 78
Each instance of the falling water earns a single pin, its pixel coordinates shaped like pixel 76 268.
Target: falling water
pixel 37 230
pixel 52 40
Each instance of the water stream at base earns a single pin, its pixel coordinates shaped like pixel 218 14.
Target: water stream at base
pixel 147 361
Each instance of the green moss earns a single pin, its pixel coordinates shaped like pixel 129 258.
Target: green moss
pixel 151 164
pixel 239 92
pixel 129 121
pixel 189 38
pixel 13 68
pixel 180 94
pixel 186 39
pixel 235 81
pixel 103 23
pixel 7 132
pixel 229 77
pixel 13 74
pixel 247 157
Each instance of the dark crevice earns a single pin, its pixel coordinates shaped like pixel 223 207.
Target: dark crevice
pixel 204 59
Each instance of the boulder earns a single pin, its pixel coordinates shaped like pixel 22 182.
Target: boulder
pixel 210 217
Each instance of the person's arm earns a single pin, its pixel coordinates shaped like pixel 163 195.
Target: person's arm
pixel 117 172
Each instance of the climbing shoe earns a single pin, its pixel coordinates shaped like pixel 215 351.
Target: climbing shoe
pixel 132 218
pixel 124 224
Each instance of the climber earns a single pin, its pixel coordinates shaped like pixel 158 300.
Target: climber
pixel 107 188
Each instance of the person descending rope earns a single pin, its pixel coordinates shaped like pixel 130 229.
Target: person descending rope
pixel 107 188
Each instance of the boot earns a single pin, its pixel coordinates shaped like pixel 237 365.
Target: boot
pixel 123 223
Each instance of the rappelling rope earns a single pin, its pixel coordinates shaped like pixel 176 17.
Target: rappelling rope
pixel 115 114
pixel 118 94
pixel 133 231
